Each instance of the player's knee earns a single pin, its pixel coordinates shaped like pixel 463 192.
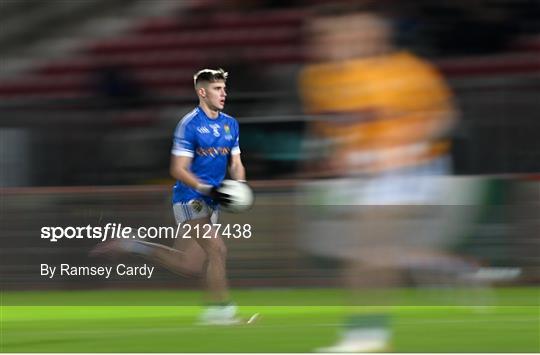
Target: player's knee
pixel 193 272
pixel 221 250
pixel 217 251
pixel 194 268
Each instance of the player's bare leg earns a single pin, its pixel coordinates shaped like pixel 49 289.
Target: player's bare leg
pixel 220 311
pixel 185 258
pixel 216 260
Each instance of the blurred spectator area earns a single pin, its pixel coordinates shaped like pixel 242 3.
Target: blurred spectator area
pixel 102 109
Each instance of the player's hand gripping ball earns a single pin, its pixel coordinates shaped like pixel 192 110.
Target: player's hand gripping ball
pixel 234 196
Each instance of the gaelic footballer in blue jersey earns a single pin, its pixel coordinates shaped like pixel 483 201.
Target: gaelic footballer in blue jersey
pixel 205 147
pixel 209 143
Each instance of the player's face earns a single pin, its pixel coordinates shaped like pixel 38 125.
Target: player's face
pixel 215 95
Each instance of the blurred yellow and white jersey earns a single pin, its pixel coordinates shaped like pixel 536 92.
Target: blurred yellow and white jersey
pixel 381 113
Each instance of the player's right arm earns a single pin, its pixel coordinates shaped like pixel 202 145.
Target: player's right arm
pixel 182 154
pixel 180 170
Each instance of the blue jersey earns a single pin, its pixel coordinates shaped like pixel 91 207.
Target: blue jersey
pixel 209 142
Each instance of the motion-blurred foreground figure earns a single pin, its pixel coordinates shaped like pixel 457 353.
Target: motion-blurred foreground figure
pixel 383 118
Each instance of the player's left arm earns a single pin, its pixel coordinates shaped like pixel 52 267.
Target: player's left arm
pixel 236 168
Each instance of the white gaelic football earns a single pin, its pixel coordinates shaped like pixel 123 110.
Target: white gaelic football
pixel 241 195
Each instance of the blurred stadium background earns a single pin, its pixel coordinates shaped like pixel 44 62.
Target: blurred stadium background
pixel 91 90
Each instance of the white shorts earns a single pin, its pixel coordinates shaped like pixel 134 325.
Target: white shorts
pixel 396 212
pixel 194 209
pixel 420 185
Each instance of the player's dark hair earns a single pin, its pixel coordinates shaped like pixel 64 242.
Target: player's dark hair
pixel 210 76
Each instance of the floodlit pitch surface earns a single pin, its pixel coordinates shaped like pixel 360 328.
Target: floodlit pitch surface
pixel 122 321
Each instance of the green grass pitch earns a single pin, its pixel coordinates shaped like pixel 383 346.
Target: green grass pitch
pixel 163 321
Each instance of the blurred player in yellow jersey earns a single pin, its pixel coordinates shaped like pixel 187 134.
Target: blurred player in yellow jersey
pixel 382 117
pixel 390 109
